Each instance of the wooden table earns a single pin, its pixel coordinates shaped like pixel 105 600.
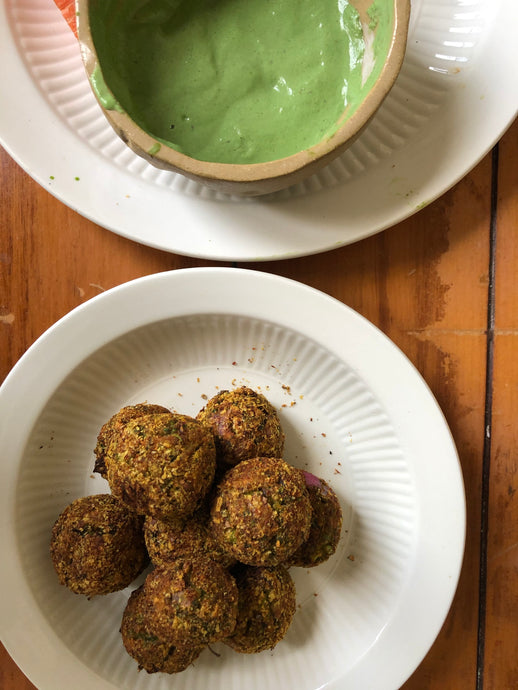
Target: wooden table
pixel 443 285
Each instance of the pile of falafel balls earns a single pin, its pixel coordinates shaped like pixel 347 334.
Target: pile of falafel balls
pixel 218 512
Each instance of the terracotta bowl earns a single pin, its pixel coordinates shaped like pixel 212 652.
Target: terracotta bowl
pixel 259 178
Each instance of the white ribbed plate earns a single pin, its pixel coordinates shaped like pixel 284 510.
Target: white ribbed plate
pixel 456 94
pixel 355 413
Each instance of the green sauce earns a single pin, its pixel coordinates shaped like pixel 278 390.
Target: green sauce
pixel 231 81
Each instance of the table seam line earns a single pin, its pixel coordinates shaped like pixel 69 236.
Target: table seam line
pixel 488 410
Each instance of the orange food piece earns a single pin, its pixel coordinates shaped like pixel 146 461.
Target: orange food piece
pixel 68 10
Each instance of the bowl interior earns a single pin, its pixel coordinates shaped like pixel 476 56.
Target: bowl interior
pixel 334 427
pixel 377 55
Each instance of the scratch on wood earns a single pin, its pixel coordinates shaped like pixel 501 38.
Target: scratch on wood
pixel 503 552
pixel 426 333
pixel 7 318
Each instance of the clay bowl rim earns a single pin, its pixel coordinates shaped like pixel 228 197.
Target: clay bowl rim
pixel 168 158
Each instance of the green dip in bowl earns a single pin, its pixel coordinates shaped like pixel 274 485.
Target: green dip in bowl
pixel 248 97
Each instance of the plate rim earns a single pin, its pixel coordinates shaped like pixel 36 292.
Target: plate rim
pixel 242 283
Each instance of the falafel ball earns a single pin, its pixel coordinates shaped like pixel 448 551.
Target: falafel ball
pixel 161 464
pixel 261 512
pixel 326 524
pixel 97 545
pixel 147 649
pixel 192 602
pixel 245 425
pixel 267 603
pixel 113 426
pixel 189 536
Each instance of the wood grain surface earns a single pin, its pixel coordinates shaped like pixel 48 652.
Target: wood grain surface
pixel 442 285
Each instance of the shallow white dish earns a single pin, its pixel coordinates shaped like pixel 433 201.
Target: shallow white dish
pixel 455 96
pixel 355 412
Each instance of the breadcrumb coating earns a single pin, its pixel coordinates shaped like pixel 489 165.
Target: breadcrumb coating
pixel 190 536
pixel 267 604
pixel 152 654
pixel 261 511
pixel 191 601
pixel 97 545
pixel 115 424
pixel 162 465
pixel 245 425
pixel 326 525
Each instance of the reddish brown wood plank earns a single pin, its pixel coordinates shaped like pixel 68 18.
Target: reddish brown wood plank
pixel 11 678
pixel 501 639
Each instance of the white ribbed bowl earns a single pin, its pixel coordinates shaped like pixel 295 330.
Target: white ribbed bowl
pixel 355 413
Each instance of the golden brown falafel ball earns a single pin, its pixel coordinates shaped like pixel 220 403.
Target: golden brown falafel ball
pixel 147 649
pixel 261 511
pixel 266 607
pixel 245 425
pixel 162 464
pixel 326 525
pixel 190 536
pixel 97 545
pixel 192 602
pixel 113 426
